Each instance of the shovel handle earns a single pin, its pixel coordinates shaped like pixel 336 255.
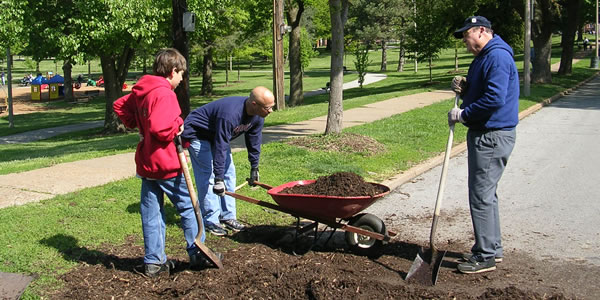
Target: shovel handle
pixel 442 186
pixel 190 185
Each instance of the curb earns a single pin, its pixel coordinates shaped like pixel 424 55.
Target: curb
pixel 405 176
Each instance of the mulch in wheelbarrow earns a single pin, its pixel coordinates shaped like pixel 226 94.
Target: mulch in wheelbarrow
pixel 343 184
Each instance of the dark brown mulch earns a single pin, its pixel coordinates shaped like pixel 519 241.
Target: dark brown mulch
pixel 260 266
pixel 343 184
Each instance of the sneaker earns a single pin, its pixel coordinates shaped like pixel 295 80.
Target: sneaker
pixel 233 225
pixel 476 264
pixel 153 270
pixel 467 256
pixel 200 261
pixel 216 230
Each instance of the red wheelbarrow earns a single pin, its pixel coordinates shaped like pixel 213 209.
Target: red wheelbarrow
pixel 363 230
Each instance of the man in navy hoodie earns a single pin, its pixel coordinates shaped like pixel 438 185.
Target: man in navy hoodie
pixel 490 109
pixel 210 128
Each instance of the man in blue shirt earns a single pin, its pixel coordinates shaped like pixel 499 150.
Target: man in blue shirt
pixel 210 128
pixel 490 110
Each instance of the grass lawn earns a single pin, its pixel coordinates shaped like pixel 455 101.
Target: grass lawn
pixel 47 238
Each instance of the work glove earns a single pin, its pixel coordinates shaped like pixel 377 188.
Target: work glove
pixel 219 187
pixel 459 84
pixel 253 177
pixel 454 116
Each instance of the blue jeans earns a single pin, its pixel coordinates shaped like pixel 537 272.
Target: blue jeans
pixel 488 153
pixel 153 216
pixel 214 208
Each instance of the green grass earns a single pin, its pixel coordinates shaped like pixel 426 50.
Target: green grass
pixel 89 145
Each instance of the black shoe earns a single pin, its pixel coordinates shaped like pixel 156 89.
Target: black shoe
pixel 216 230
pixel 153 270
pixel 200 261
pixel 467 256
pixel 233 225
pixel 476 264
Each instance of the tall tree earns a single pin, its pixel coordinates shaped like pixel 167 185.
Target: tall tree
pixel 295 9
pixel 339 15
pixel 377 20
pixel 572 8
pixel 545 15
pixel 111 30
pixel 217 19
pixel 431 34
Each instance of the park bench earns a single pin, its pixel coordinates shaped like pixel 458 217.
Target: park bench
pixel 89 95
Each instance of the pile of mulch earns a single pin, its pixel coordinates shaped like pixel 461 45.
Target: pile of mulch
pixel 342 184
pixel 343 142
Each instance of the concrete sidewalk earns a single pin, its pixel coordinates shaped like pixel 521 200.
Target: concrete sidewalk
pixel 45 183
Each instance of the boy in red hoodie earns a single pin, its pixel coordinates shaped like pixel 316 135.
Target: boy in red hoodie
pixel 152 107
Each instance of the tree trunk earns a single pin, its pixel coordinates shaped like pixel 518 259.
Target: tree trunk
pixel 401 56
pixel 295 10
pixel 383 55
pixel 207 84
pixel 68 84
pixel 338 10
pixel 541 29
pixel 181 43
pixel 112 91
pixel 568 38
pixel 455 58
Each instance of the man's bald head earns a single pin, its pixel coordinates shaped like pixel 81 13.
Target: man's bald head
pixel 261 101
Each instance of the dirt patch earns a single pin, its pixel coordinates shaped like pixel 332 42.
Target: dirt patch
pixel 343 142
pixel 259 266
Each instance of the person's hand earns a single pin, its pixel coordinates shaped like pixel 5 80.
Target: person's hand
pixel 219 187
pixel 253 177
pixel 454 116
pixel 459 84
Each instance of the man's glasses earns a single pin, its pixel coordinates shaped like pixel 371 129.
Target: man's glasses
pixel 268 108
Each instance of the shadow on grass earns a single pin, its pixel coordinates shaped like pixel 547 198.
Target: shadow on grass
pixel 68 246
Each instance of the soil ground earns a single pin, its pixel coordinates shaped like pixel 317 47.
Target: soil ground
pixel 262 263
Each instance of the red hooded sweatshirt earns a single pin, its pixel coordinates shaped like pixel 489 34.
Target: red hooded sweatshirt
pixel 152 107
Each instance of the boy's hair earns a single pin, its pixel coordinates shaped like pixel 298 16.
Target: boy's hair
pixel 166 59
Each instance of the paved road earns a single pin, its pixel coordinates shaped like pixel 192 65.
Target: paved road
pixel 549 193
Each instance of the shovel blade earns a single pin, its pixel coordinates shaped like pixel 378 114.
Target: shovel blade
pixel 426 267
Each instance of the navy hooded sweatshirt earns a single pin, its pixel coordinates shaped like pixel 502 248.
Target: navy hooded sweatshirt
pixel 491 101
pixel 221 121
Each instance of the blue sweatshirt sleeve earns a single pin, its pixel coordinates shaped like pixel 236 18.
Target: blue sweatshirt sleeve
pixel 253 139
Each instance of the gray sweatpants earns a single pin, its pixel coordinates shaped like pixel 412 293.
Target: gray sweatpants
pixel 488 153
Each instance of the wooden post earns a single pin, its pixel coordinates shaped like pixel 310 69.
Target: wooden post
pixel 278 55
pixel 11 123
pixel 527 50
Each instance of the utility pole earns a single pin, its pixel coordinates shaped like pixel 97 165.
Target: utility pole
pixel 278 32
pixel 527 48
pixel 594 63
pixel 11 124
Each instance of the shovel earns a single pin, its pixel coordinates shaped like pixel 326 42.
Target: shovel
pixel 426 266
pixel 188 180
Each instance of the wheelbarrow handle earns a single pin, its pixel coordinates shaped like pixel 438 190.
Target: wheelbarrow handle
pixel 262 185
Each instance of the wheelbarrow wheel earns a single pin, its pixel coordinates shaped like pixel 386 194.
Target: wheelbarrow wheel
pixel 360 243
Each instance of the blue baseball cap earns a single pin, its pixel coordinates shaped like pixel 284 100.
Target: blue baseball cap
pixel 470 22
